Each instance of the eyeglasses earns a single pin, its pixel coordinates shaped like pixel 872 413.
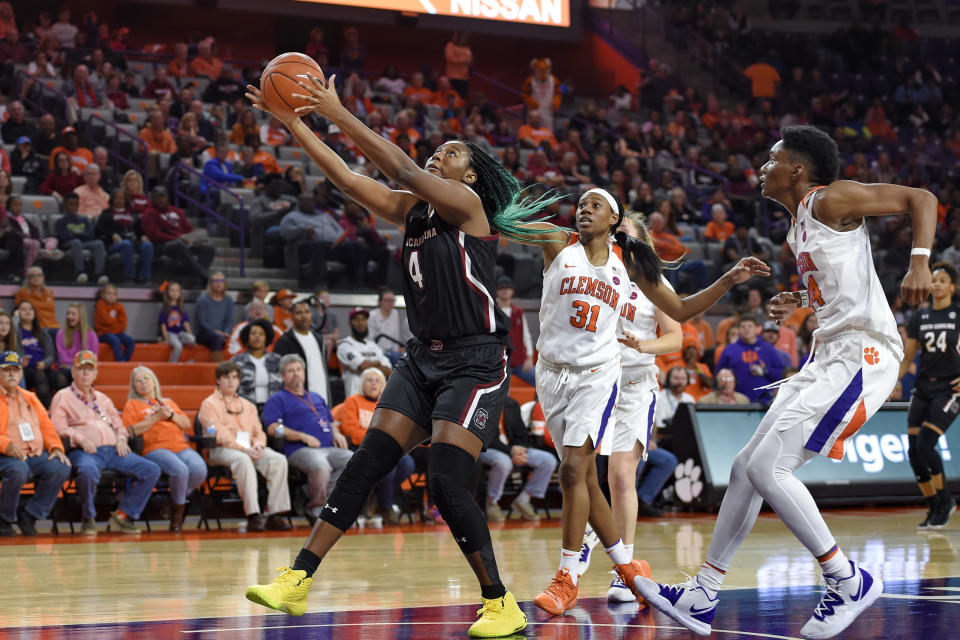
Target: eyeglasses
pixel 218 280
pixel 727 379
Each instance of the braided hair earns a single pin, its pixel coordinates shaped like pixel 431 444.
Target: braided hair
pixel 507 205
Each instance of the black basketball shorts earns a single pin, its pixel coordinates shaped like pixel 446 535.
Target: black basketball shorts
pixel 933 401
pixel 464 381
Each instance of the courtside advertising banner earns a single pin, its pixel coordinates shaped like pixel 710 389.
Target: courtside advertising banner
pixel 874 466
pixel 547 13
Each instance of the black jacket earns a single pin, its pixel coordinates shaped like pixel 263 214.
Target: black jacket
pixel 288 343
pixel 513 428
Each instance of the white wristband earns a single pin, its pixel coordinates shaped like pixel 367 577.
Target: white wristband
pixel 919 251
pixel 804 298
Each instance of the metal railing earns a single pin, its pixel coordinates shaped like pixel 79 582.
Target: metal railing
pixel 40 85
pixel 113 150
pixel 207 188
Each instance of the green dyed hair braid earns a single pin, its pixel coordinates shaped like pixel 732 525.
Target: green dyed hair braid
pixel 508 206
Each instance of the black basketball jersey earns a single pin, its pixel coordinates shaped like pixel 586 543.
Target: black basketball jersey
pixel 938 333
pixel 449 280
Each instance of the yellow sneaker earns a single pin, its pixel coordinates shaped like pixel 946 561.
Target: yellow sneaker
pixel 287 593
pixel 498 618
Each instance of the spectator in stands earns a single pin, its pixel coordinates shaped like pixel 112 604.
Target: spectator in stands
pixel 719 228
pixel 76 335
pixel 352 53
pixel 29 449
pixel 119 228
pixel 39 70
pixel 754 362
pixel 459 59
pixel 725 392
pixel 246 125
pixel 159 86
pixel 189 132
pixel 390 82
pixel 93 425
pixel 32 243
pixel 108 178
pixel 8 333
pixel 80 157
pixel 273 133
pixel 93 199
pixel 82 93
pixel 173 321
pixel 162 424
pixel 512 449
pixel 354 417
pixel 225 88
pixel 129 85
pixel 764 79
pixel 256 309
pixel 533 133
pixel 75 235
pixel 282 304
pixel 771 334
pixel 205 64
pixel 268 210
pixel 41 297
pixel 220 169
pixel 157 137
pixel 315 44
pixel 63 30
pixel 670 397
pixel 241 445
pixel 62 179
pixel 388 329
pixel 261 155
pixel 38 351
pixel 361 244
pixel 313 235
pixel 48 139
pixel 805 338
pixel 166 227
pixel 309 345
pixel 324 320
pixel 16 124
pixel 951 254
pixel 521 359
pixel 26 163
pixel 115 93
pixel 259 369
pixel 357 352
pixel 701 380
pixel 740 245
pixel 659 466
pixel 214 316
pixel 110 323
pixel 314 443
pixel 132 184
pixel 417 90
pixel 179 67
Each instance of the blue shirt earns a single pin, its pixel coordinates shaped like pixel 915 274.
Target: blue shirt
pixel 747 361
pixel 307 413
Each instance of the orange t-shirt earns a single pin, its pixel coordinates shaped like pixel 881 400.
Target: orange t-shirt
pixel 719 232
pixel 164 434
pixel 764 79
pixel 538 135
pixel 79 157
pixel 43 304
pixel 282 318
pixel 210 68
pixel 161 142
pixel 355 415
pixel 109 318
pixel 704 332
pixel 423 94
pixel 668 246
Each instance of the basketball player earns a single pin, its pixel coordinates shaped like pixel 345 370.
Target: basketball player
pixel 578 371
pixel 451 384
pixel 935 400
pixel 851 373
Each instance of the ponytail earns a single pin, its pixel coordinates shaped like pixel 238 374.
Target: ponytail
pixel 639 254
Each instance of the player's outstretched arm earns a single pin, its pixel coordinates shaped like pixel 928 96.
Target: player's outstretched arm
pixel 682 309
pixel 374 196
pixel 454 201
pixel 845 201
pixel 551 239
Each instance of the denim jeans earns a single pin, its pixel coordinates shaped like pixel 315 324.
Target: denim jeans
pixel 91 465
pixel 75 248
pixel 662 463
pixel 126 250
pixel 186 470
pixel 49 475
pixel 122 345
pixel 501 466
pixel 389 486
pixel 527 376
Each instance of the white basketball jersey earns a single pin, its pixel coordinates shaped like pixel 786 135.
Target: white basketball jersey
pixel 837 269
pixel 638 316
pixel 580 308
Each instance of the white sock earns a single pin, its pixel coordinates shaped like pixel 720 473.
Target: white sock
pixel 618 553
pixel 710 578
pixel 836 565
pixel 523 498
pixel 629 548
pixel 569 560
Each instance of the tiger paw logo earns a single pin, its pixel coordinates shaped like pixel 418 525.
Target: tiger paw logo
pixel 871 355
pixel 687 481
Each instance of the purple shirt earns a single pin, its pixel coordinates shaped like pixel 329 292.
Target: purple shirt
pixel 307 413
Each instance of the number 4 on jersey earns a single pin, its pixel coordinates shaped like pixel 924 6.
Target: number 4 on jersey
pixel 816 298
pixel 413 268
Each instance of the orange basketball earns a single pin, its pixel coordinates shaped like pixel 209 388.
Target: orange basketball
pixel 279 82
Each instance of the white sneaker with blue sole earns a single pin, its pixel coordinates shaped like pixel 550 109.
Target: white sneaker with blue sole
pixel 844 600
pixel 590 541
pixel 619 592
pixel 687 603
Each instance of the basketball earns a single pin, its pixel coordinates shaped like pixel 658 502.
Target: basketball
pixel 279 82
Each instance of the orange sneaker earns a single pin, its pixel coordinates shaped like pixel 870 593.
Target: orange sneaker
pixel 628 572
pixel 560 595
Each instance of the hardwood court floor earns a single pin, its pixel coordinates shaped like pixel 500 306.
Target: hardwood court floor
pixel 411 582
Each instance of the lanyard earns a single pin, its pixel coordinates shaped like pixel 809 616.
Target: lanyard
pixel 309 404
pixel 93 406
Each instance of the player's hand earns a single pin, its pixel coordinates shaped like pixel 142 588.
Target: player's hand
pixel 320 95
pixel 783 305
pixel 631 340
pixel 746 269
pixel 255 96
pixel 955 383
pixel 917 283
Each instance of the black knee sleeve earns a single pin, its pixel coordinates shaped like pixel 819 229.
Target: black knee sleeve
pixel 927 448
pixel 377 456
pixel 920 471
pixel 450 469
